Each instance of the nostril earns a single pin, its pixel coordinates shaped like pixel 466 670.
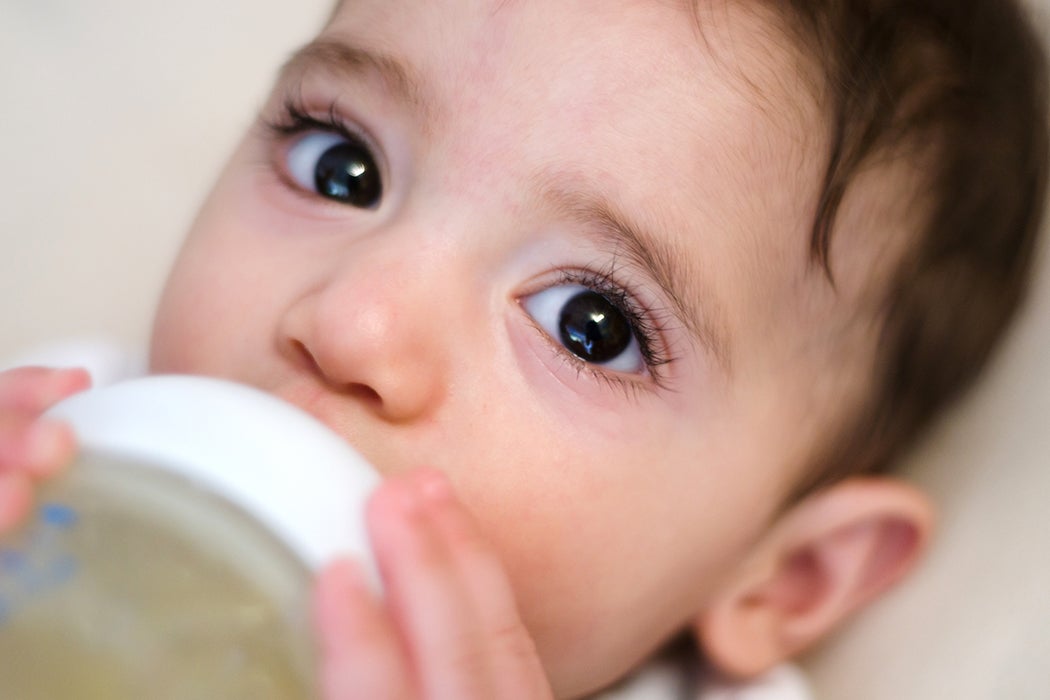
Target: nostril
pixel 306 359
pixel 356 390
pixel 364 393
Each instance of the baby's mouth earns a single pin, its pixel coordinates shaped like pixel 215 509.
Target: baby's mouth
pixel 315 400
pixel 338 412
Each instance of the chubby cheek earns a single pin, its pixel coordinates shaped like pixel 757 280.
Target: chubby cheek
pixel 215 299
pixel 605 533
pixel 605 567
pixel 181 341
pixel 616 519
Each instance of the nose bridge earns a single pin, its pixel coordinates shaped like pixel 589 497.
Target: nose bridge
pixel 381 272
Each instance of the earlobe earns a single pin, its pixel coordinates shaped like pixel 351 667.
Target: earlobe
pixel 825 558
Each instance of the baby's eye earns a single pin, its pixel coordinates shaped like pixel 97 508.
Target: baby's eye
pixel 335 167
pixel 588 325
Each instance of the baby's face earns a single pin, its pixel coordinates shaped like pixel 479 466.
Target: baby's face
pixel 555 249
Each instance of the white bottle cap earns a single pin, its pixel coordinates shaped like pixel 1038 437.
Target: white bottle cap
pixel 274 461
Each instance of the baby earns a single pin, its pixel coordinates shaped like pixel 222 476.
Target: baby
pixel 628 300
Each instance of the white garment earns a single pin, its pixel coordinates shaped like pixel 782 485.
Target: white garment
pixel 782 683
pixel 671 678
pixel 680 677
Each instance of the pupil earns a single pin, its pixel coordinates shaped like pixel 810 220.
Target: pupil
pixel 347 173
pixel 593 329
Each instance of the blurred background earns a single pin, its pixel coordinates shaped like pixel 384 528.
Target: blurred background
pixel 117 115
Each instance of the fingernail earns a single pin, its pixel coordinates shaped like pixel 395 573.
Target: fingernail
pixel 433 485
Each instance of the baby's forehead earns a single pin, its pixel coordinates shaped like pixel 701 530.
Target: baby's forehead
pixel 697 123
pixel 643 46
pixel 717 80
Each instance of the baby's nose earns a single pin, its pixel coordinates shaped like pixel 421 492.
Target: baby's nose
pixel 374 333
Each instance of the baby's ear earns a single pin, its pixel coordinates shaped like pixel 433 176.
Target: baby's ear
pixel 823 559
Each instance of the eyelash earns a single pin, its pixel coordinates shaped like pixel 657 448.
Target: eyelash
pixel 294 119
pixel 647 326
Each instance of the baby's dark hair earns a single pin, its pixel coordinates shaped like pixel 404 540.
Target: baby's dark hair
pixel 964 82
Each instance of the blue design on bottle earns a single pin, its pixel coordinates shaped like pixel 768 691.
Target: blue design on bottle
pixel 59 515
pixel 38 560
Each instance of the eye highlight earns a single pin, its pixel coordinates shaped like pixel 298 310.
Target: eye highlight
pixel 328 159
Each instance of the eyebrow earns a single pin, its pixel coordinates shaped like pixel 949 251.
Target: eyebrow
pixel 657 257
pixel 326 55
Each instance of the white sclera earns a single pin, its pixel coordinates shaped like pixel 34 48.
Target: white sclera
pixel 274 461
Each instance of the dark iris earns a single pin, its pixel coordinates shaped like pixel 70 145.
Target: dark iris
pixel 347 173
pixel 593 329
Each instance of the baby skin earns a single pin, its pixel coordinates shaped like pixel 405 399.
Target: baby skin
pixel 546 266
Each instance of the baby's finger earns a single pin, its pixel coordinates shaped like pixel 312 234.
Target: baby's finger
pixel 34 446
pixel 435 575
pixel 511 655
pixel 33 390
pixel 361 653
pixel 423 591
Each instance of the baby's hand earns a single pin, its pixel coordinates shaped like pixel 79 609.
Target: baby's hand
pixel 447 626
pixel 31 447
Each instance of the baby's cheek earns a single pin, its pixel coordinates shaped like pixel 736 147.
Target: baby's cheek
pixel 170 349
pixel 188 327
pixel 558 562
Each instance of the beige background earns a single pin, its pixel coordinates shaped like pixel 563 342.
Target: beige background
pixel 118 113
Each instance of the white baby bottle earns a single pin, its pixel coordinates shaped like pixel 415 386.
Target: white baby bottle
pixel 174 560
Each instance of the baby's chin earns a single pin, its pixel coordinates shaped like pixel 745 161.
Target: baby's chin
pixel 600 656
